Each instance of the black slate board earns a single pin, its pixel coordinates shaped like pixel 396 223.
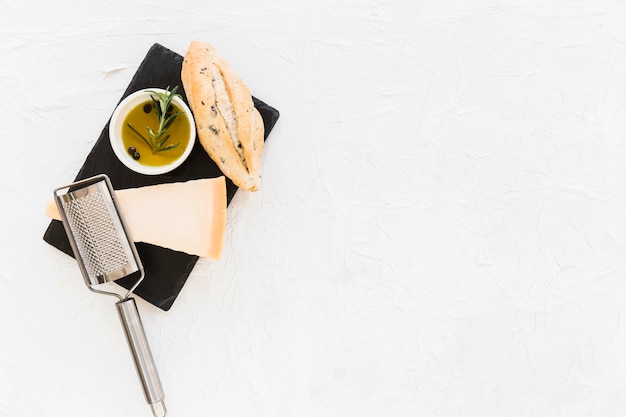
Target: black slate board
pixel 166 270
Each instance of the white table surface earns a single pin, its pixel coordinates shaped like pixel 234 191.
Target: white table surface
pixel 440 231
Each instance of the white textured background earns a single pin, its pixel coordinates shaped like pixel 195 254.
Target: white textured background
pixel 441 228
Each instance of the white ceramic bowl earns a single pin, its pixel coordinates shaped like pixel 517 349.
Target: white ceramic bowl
pixel 117 123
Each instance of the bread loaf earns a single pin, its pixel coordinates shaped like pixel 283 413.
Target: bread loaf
pixel 229 128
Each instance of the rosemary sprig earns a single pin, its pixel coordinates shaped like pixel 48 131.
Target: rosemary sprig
pixel 162 102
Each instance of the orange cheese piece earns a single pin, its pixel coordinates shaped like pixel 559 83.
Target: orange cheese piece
pixel 187 216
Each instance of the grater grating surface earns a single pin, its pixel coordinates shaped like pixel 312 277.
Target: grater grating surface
pixel 96 231
pixel 96 237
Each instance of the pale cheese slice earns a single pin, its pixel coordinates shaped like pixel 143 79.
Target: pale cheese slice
pixel 187 216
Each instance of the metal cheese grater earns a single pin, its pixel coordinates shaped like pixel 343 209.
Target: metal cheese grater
pixel 105 252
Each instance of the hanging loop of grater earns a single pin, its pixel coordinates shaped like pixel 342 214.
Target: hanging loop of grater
pixel 105 252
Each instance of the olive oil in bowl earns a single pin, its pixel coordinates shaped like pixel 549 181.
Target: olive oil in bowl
pixel 142 117
pixel 146 138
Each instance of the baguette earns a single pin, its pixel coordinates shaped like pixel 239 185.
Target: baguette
pixel 229 128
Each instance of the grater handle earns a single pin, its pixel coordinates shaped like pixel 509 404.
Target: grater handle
pixel 144 363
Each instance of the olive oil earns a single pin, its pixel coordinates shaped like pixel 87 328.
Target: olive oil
pixel 143 116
